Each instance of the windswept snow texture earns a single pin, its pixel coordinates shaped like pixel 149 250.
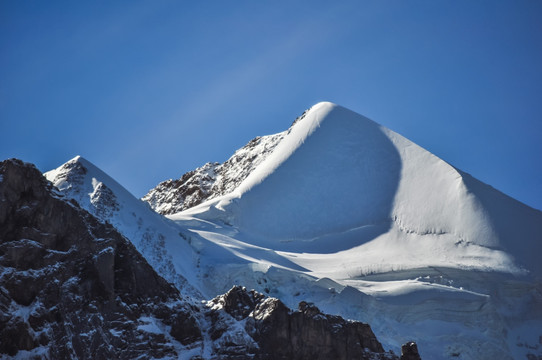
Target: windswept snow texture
pixel 322 159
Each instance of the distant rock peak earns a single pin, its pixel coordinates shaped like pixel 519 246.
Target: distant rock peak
pixel 212 179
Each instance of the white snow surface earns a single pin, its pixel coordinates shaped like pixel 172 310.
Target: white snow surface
pixel 344 208
pixel 366 224
pixel 340 186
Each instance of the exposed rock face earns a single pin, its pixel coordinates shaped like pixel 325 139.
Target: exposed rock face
pixel 191 189
pixel 72 287
pixel 409 351
pixel 151 234
pixel 303 334
pixel 212 179
pixel 71 177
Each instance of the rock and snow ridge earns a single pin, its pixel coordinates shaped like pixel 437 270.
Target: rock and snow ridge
pixel 366 224
pixel 212 179
pixel 153 235
pixel 72 287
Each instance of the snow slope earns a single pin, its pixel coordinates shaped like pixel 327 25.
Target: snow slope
pixel 339 183
pixel 155 237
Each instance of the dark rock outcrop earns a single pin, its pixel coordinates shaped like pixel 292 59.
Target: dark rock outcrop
pixel 72 287
pixel 212 179
pixel 409 351
pixel 303 334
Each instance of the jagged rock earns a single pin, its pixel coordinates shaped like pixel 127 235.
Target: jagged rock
pixel 185 329
pixel 212 179
pixel 16 336
pixel 409 351
pixel 308 309
pixel 238 302
pixel 73 287
pixel 303 334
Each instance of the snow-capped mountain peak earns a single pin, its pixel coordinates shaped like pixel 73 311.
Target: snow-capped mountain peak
pixel 81 180
pixel 362 210
pixel 343 212
pixel 339 181
pixel 158 239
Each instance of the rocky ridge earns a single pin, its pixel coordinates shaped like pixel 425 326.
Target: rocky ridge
pixel 212 179
pixel 151 234
pixel 72 287
pixel 305 333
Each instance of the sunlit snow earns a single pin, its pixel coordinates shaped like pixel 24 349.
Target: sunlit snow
pixel 366 224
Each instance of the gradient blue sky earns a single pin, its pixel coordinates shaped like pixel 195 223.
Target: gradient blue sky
pixel 148 90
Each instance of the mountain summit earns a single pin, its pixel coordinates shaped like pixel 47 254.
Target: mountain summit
pixel 338 181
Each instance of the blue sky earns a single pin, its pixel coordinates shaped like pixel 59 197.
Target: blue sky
pixel 148 90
